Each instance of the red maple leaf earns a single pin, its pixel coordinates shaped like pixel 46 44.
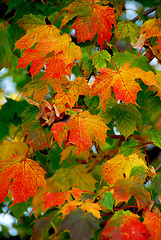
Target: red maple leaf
pixel 27 175
pixel 80 130
pixel 91 19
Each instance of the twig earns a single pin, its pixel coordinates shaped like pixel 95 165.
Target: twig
pixel 150 10
pixel 157 168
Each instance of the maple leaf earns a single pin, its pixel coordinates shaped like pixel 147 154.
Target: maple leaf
pixel 150 28
pixel 107 200
pixel 118 227
pixel 38 87
pixel 100 58
pixel 57 51
pixel 53 199
pixel 41 228
pixel 127 29
pixel 86 206
pixel 80 224
pixel 120 166
pixel 127 117
pixel 78 176
pixel 72 152
pixel 118 6
pixel 8 148
pixel 98 19
pixel 125 188
pixel 153 223
pixel 35 34
pixel 27 175
pixel 79 86
pixel 65 100
pixel 81 128
pixel 37 136
pixel 123 83
pixel 6 45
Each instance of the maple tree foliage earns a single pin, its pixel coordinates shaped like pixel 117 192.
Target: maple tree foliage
pixel 75 137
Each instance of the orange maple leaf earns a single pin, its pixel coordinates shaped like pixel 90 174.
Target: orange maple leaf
pixel 122 82
pixel 80 130
pixel 79 86
pixel 125 225
pixel 53 199
pixel 86 206
pixel 153 223
pixel 93 19
pixel 27 175
pixel 150 28
pixel 57 51
pixel 65 100
pixel 36 34
pixel 59 198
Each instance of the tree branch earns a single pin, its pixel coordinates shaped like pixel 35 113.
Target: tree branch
pixel 150 10
pixel 157 168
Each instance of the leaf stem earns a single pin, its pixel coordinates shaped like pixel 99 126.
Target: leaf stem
pixel 27 152
pixel 6 23
pixel 115 66
pixel 57 16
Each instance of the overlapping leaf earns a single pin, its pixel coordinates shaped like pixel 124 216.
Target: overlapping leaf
pixel 27 175
pixel 120 166
pixel 153 223
pixel 127 29
pixel 6 45
pixel 80 224
pixel 55 50
pixel 76 176
pixel 80 130
pixel 150 28
pixel 86 206
pixel 91 19
pixel 118 227
pixel 122 82
pixel 125 188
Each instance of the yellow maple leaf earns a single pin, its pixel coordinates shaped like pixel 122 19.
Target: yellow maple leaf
pixel 120 166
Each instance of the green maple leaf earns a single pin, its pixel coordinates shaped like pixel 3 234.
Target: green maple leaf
pixel 6 45
pixel 100 58
pixel 127 118
pixel 80 224
pixel 127 29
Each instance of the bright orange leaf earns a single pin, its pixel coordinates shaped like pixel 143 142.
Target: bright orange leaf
pixel 150 28
pixel 59 198
pixel 80 130
pixel 53 199
pixel 57 51
pixel 65 100
pixel 153 223
pixel 79 86
pixel 122 82
pixel 86 206
pixel 36 34
pixel 125 225
pixel 91 19
pixel 27 175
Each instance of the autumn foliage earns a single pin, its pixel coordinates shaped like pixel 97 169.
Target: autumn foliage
pixel 74 141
